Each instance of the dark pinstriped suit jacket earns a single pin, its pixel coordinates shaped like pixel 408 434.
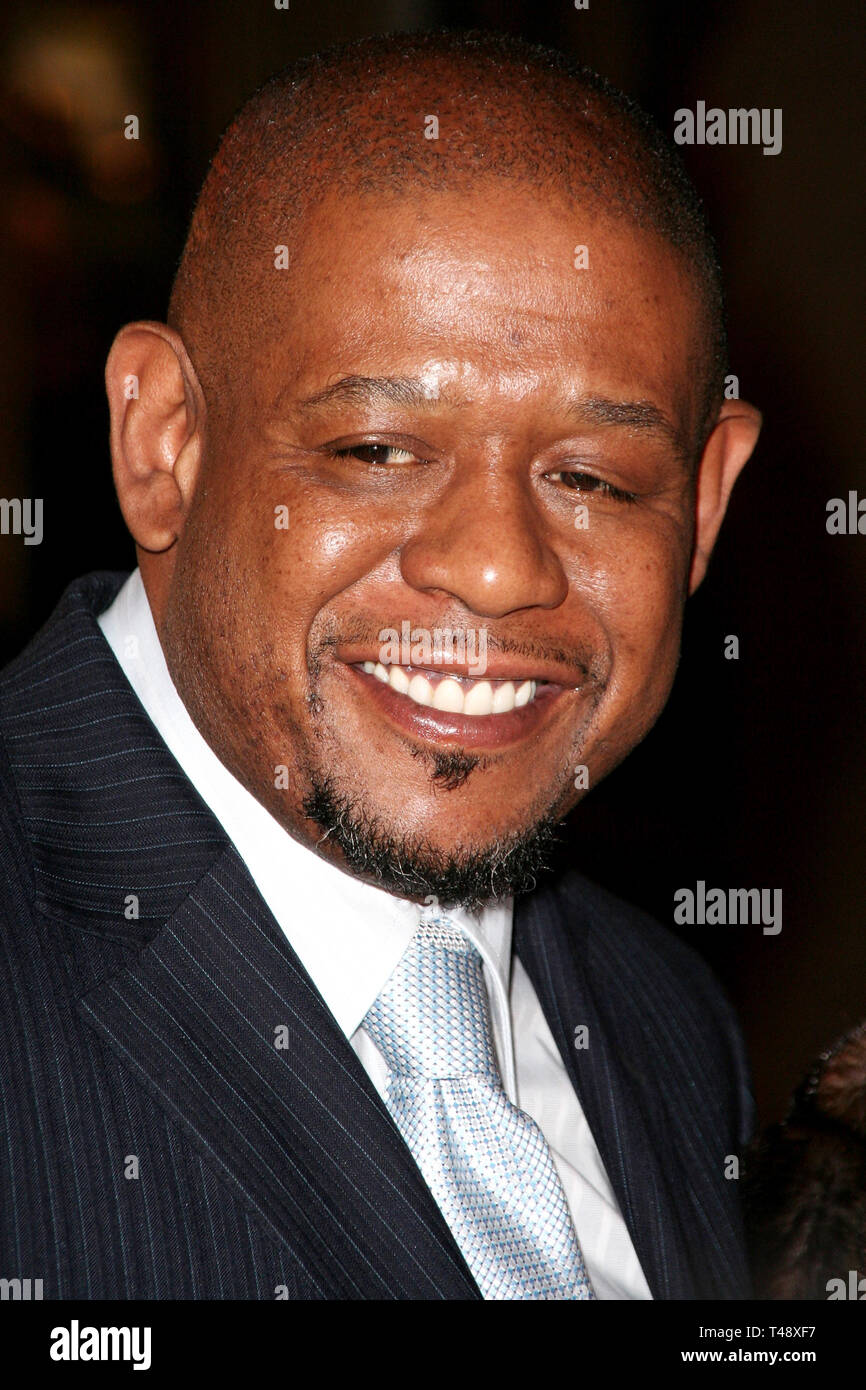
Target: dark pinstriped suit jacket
pixel 265 1172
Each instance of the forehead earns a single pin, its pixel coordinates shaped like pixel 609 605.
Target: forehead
pixel 501 288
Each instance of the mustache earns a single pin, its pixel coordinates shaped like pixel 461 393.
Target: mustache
pixel 581 657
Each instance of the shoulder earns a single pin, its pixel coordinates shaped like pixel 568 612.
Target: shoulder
pixel 627 941
pixel 55 688
pixel 656 993
pixel 56 649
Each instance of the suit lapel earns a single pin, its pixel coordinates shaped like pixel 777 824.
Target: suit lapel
pixel 218 1019
pixel 215 1014
pixel 552 949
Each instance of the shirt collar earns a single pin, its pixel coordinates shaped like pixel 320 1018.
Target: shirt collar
pixel 348 934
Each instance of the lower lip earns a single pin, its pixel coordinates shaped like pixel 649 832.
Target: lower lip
pixel 460 730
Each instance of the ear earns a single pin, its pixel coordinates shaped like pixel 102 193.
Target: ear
pixel 727 450
pixel 157 422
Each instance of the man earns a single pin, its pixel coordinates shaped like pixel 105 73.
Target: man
pixel 419 473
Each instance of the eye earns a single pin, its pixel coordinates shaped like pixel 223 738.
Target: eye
pixel 375 454
pixel 587 482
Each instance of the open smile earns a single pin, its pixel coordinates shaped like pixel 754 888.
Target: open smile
pixel 453 708
pixel 455 694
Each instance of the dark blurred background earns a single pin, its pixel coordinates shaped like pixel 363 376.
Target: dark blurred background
pixel 756 774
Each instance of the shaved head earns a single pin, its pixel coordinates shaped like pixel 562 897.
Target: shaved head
pixel 351 121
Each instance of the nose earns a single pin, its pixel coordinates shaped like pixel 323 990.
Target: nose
pixel 483 543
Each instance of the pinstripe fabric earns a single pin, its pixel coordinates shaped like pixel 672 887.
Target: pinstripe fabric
pixel 664 1082
pixel 275 1171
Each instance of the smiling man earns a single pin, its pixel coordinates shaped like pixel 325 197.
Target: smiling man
pixel 420 473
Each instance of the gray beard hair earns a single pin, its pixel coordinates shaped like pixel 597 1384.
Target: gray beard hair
pixel 417 870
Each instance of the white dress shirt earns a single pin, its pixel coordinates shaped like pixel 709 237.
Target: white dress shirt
pixel 350 935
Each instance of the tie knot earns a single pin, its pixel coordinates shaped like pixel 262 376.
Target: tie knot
pixel 432 1018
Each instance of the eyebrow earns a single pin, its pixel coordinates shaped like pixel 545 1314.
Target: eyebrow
pixel 370 390
pixel 640 416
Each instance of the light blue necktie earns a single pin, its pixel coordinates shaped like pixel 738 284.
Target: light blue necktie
pixel 486 1162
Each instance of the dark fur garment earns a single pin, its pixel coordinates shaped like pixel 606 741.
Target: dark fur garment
pixel 804 1183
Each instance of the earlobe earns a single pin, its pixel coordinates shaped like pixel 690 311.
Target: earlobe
pixel 157 415
pixel 726 453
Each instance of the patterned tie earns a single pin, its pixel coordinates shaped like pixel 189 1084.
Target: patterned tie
pixel 486 1162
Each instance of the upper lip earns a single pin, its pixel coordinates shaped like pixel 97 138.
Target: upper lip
pixel 497 668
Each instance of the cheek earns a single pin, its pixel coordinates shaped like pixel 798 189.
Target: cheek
pixel 313 562
pixel 297 546
pixel 336 543
pixel 315 559
pixel 636 588
pixel 641 614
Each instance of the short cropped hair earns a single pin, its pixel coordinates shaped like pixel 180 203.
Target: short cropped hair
pixel 351 119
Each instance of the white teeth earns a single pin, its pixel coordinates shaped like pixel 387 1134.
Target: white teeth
pixel 420 690
pixel 523 694
pixel 482 698
pixel 448 695
pixel 479 700
pixel 503 698
pixel 398 679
